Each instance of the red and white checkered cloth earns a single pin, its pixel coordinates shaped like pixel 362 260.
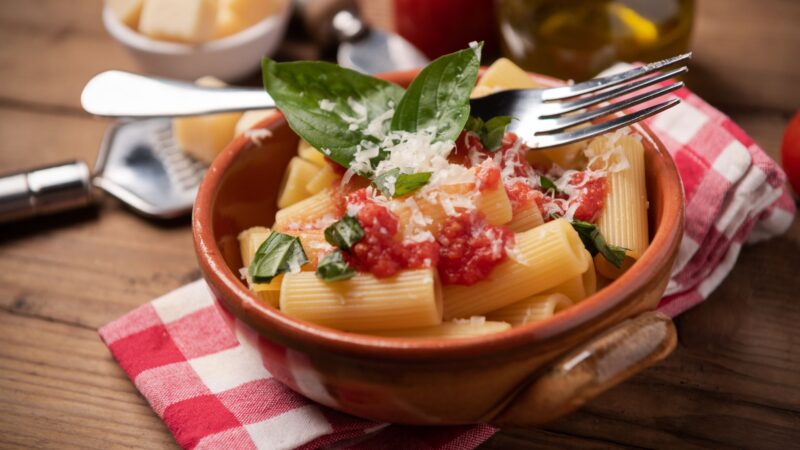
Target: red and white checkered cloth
pixel 202 372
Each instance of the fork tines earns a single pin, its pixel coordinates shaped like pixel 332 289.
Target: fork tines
pixel 555 116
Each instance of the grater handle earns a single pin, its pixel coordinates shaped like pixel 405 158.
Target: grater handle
pixel 44 190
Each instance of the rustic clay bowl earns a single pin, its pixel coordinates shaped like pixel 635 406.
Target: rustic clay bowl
pixel 525 376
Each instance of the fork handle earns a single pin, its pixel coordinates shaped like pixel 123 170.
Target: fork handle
pixel 116 93
pixel 44 190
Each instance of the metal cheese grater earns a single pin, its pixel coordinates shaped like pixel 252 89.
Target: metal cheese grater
pixel 138 163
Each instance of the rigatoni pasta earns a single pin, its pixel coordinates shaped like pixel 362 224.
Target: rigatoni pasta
pixel 546 256
pixel 421 236
pixel 533 309
pixel 306 212
pixel 623 220
pixel 526 218
pixel 298 174
pixel 410 299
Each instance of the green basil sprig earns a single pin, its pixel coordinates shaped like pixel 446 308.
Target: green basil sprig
pixel 344 233
pixel 438 98
pixel 300 88
pixel 490 132
pixel 548 184
pixel 594 241
pixel 404 183
pixel 276 255
pixel 333 267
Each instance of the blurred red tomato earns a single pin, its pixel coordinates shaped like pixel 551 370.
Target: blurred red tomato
pixel 443 26
pixel 790 152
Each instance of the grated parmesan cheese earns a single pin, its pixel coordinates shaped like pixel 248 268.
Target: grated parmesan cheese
pixel 257 135
pixel 326 105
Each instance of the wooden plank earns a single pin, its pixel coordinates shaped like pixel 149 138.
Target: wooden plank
pixel 82 268
pixel 761 72
pixel 44 62
pixel 746 53
pixel 81 16
pixel 61 389
pixel 31 138
pixel 731 383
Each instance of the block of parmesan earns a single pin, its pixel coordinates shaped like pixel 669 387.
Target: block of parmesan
pixel 237 15
pixel 203 137
pixel 190 21
pixel 127 11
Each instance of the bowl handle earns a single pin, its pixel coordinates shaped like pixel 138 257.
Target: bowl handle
pixel 590 369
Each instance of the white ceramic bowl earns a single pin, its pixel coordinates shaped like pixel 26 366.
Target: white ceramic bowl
pixel 228 59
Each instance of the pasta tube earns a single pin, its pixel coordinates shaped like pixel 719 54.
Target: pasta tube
pixel 533 309
pixel 323 179
pixel 544 257
pixel 428 212
pixel 297 175
pixel 448 330
pixel 579 287
pixel 589 277
pixel 623 220
pixel 305 212
pixel 526 218
pixel 310 154
pixel 249 241
pixel 363 303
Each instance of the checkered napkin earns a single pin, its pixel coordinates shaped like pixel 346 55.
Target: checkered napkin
pixel 202 371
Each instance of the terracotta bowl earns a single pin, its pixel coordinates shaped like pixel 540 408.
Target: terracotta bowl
pixel 522 377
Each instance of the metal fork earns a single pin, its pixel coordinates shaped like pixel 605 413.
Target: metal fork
pixel 541 115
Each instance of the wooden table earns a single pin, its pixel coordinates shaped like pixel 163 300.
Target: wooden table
pixel 734 380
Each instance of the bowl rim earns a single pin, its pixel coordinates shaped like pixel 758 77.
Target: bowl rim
pixel 666 239
pixel 141 42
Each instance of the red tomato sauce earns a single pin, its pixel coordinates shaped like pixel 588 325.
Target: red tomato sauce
pixel 465 252
pixel 379 251
pixel 523 196
pixel 590 198
pixel 488 176
pixel 470 248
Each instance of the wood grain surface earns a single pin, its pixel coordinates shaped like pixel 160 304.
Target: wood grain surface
pixel 733 382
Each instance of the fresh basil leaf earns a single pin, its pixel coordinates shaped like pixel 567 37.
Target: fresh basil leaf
pixel 438 98
pixel 395 184
pixel 549 184
pixel 410 182
pixel 344 233
pixel 351 101
pixel 491 132
pixel 474 124
pixel 276 255
pixel 594 241
pixel 333 267
pixel 494 130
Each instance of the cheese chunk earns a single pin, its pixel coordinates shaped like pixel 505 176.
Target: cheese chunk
pixel 251 118
pixel 127 11
pixel 190 21
pixel 203 137
pixel 501 75
pixel 237 15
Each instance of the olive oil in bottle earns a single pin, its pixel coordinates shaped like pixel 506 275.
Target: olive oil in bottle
pixel 576 39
